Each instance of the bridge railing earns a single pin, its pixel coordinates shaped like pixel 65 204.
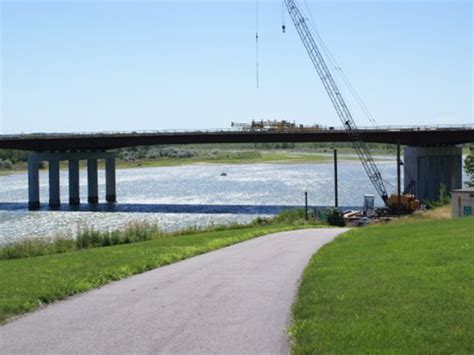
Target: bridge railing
pixel 395 128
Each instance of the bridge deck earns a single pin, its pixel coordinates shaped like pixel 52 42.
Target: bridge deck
pixel 413 136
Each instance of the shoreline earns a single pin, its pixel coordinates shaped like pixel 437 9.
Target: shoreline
pixel 268 157
pixel 97 258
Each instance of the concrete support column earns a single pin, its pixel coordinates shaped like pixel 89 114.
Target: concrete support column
pixel 92 181
pixel 74 197
pixel 54 193
pixel 110 194
pixel 33 182
pixel 54 158
pixel 429 167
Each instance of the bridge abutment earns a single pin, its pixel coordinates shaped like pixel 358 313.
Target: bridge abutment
pixel 426 168
pixel 73 158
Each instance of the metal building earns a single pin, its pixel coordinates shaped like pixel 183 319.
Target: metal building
pixel 462 202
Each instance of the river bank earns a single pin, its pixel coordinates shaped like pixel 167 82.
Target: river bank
pixel 157 195
pixel 227 156
pixel 29 282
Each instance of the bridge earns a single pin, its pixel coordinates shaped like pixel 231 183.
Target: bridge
pixel 433 155
pixel 427 136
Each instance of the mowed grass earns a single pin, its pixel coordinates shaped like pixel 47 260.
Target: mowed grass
pixel 397 288
pixel 28 283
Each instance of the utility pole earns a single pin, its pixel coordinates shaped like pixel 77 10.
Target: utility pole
pixel 336 196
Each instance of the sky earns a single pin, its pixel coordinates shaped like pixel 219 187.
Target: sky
pixel 82 66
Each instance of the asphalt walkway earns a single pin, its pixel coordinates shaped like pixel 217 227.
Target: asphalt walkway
pixel 233 300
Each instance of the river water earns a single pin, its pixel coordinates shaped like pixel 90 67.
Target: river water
pixel 186 196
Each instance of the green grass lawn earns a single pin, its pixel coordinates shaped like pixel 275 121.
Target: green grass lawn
pixel 28 283
pixel 397 288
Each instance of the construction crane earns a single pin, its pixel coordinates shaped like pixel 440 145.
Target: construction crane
pixel 336 98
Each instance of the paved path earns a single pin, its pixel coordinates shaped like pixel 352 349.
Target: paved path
pixel 233 300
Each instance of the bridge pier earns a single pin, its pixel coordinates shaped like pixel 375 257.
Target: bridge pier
pixel 110 194
pixel 426 168
pixel 33 182
pixel 92 181
pixel 74 192
pixel 54 183
pixel 73 159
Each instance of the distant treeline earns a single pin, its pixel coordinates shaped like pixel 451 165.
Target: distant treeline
pixel 303 146
pixel 183 152
pixel 8 158
pixel 223 150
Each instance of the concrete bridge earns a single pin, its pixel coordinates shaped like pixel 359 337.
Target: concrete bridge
pixel 433 155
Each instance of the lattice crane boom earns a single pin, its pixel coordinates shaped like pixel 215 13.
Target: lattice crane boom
pixel 336 97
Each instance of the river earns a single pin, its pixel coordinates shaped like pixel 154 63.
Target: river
pixel 185 196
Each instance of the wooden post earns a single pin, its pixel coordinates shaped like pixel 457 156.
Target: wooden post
pixel 459 206
pixel 336 195
pixel 399 188
pixel 306 205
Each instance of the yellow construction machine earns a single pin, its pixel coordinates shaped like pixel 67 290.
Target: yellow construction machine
pixel 408 204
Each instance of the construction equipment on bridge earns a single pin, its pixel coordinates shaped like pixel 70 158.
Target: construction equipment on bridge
pixel 267 125
pixel 275 126
pixel 337 100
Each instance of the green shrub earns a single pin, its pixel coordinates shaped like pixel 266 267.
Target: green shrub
pixel 469 165
pixel 7 164
pixel 134 232
pixel 14 156
pixel 335 218
pixel 295 216
pixel 86 238
pixel 443 200
pixel 29 247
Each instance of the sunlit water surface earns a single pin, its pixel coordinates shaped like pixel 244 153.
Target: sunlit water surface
pixel 194 185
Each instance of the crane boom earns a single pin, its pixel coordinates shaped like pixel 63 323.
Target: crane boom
pixel 336 97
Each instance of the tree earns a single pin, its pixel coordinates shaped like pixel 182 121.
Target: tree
pixel 469 166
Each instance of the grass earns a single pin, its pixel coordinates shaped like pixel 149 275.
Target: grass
pixel 86 238
pixel 443 212
pixel 406 287
pixel 29 282
pixel 240 157
pixel 134 232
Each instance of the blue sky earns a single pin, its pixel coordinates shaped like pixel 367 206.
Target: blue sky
pixel 144 65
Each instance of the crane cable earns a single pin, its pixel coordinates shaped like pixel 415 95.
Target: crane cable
pixel 283 12
pixel 340 73
pixel 257 64
pixel 337 67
